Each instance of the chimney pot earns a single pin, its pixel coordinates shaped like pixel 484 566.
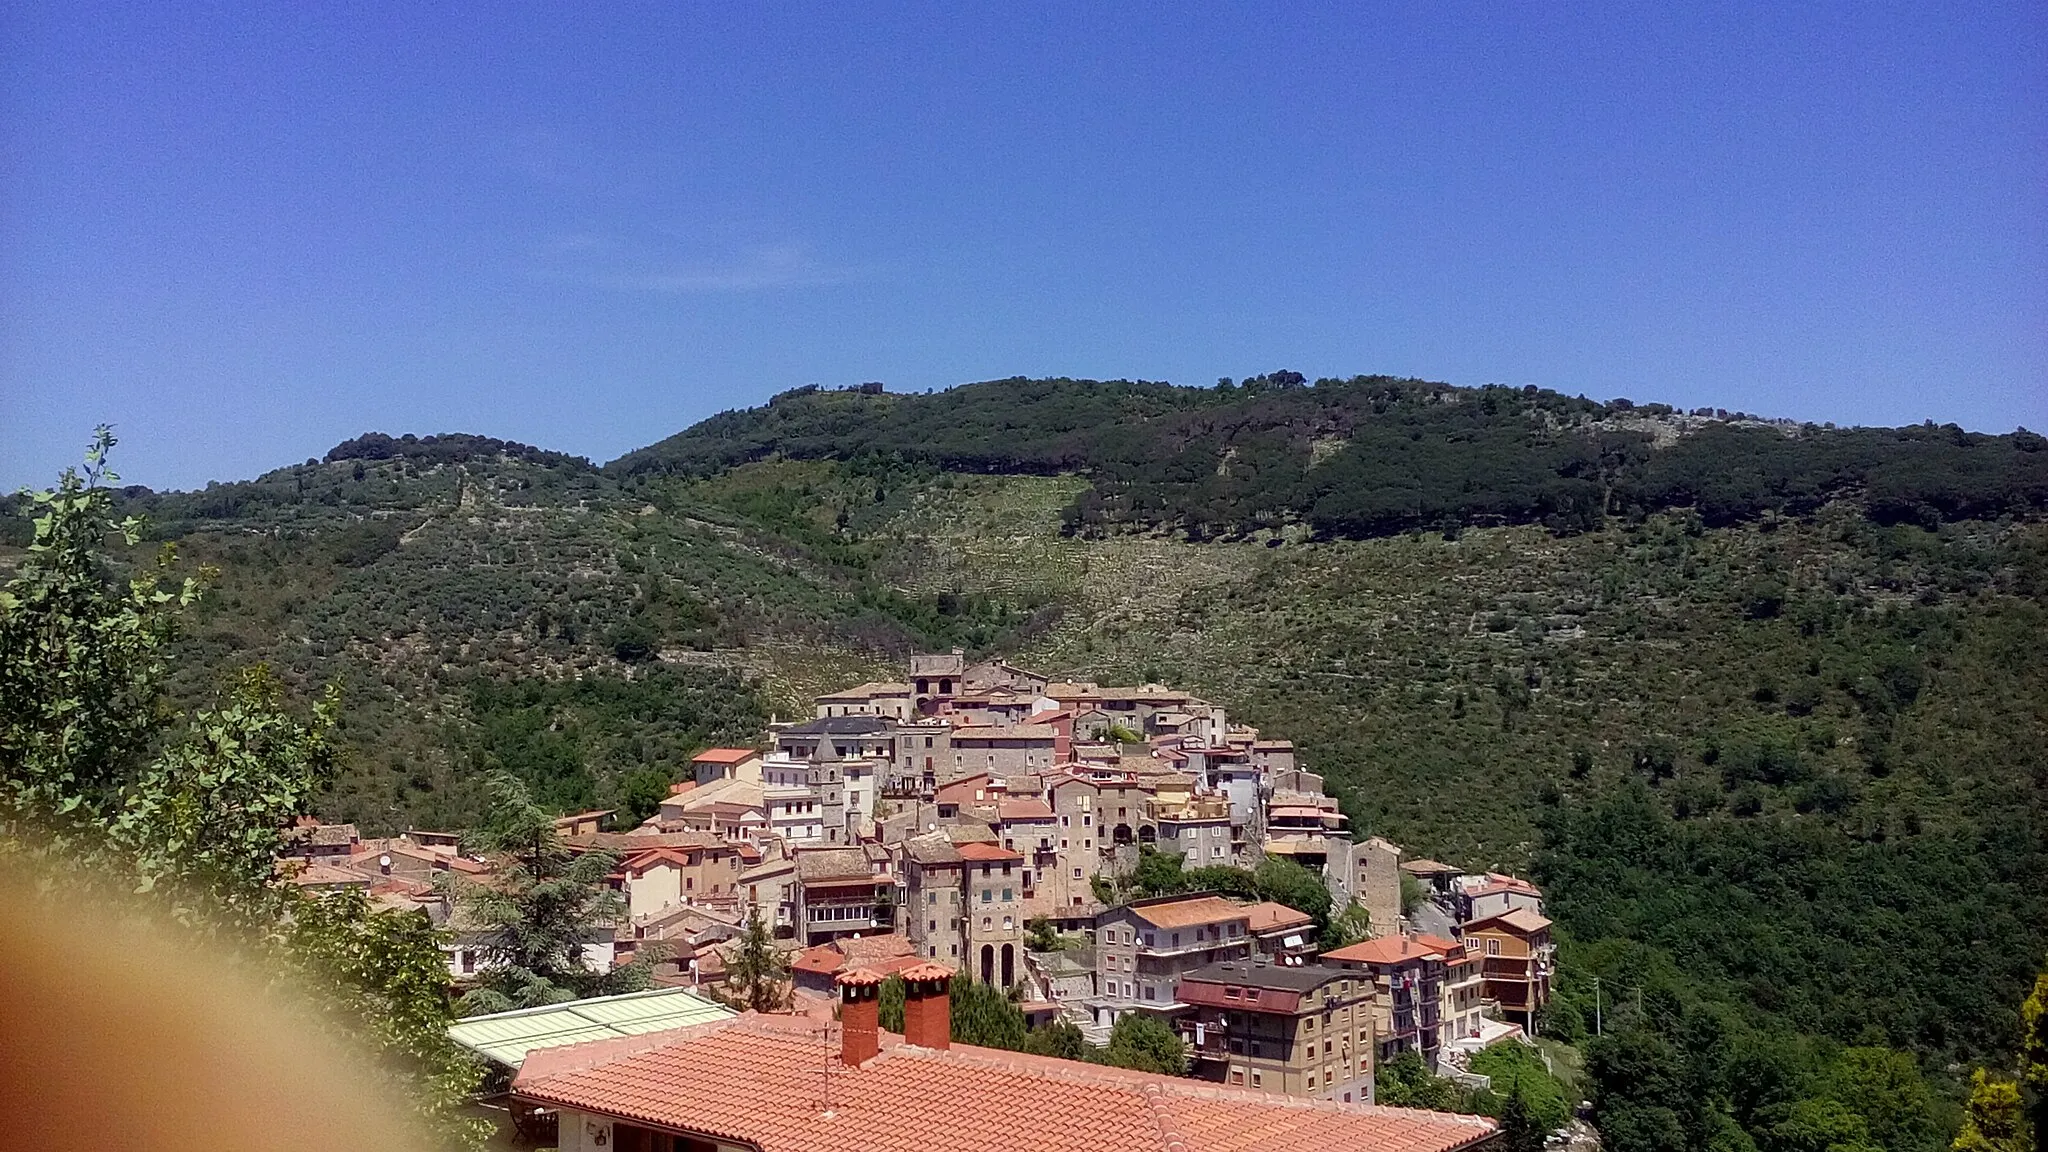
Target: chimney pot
pixel 928 1006
pixel 859 1021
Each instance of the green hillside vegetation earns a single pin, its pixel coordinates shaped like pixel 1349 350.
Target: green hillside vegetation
pixel 1373 455
pixel 1767 715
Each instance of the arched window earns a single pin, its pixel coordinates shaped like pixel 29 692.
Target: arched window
pixel 988 964
pixel 1009 965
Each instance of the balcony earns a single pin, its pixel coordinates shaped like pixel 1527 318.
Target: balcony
pixel 1507 968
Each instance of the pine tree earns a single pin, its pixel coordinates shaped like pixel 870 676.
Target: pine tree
pixel 755 974
pixel 538 912
pixel 1519 1128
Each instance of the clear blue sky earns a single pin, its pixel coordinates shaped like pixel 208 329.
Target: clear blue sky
pixel 243 232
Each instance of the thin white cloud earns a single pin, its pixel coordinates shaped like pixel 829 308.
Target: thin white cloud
pixel 603 262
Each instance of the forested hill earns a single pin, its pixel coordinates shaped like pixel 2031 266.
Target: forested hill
pixel 1374 455
pixel 1763 705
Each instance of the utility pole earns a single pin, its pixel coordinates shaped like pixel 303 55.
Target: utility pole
pixel 1597 1031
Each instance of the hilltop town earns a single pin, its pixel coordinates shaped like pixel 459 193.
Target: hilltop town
pixel 985 820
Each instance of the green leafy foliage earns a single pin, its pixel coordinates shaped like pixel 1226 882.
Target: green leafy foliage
pixel 1406 1082
pixel 1145 1043
pixel 1372 455
pixel 1522 1083
pixel 537 912
pixel 106 785
pixel 609 741
pixel 1993 1121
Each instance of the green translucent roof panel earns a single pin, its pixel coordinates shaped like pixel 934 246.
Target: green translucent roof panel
pixel 507 1037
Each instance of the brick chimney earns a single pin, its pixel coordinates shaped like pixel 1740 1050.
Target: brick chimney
pixel 928 1005
pixel 860 1029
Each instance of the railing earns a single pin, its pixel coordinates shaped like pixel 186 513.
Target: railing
pixel 1507 968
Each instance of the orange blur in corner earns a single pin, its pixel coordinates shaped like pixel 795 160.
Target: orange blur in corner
pixel 119 1033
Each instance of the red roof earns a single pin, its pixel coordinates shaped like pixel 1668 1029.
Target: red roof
pixel 1389 950
pixel 1023 809
pixel 982 850
pixel 724 755
pixel 766 1080
pixel 1267 916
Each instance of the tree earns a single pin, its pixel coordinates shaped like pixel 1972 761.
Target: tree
pixel 1348 927
pixel 1993 1120
pixel 83 658
pixel 208 817
pixel 1143 1042
pixel 983 1015
pixel 1057 1037
pixel 1040 935
pixel 756 976
pixel 1519 1129
pixel 2034 1052
pixel 538 911
pixel 1406 1082
pixel 1885 1089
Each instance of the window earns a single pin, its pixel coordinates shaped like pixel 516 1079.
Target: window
pixel 986 893
pixel 1006 867
pixel 1257 1079
pixel 952 949
pixel 1311 1051
pixel 1007 897
pixel 931 926
pixel 1237 1075
pixel 1008 924
pixel 1311 1079
pixel 1087 821
pixel 1176 939
pixel 1148 992
pixel 1077 873
pixel 1493 947
pixel 984 923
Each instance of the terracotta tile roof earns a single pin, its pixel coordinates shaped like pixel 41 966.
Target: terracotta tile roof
pixel 1267 916
pixel 1389 950
pixel 1516 919
pixel 764 1080
pixel 1187 911
pixel 1005 732
pixel 978 850
pixel 1023 810
pixel 826 864
pixel 1426 867
pixel 931 848
pixel 724 756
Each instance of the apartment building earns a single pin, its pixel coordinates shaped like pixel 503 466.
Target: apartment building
pixel 1142 949
pixel 842 892
pixel 1408 975
pixel 1464 990
pixel 1300 1030
pixel 888 699
pixel 675 871
pixel 1516 956
pixel 1198 831
pixel 964 905
pixel 715 764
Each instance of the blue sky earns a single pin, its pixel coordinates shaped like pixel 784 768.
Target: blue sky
pixel 244 232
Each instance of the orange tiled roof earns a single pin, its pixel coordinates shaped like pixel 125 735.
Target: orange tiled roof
pixel 1023 809
pixel 1388 950
pixel 1189 911
pixel 764 1080
pixel 1517 919
pixel 1267 916
pixel 724 756
pixel 982 850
